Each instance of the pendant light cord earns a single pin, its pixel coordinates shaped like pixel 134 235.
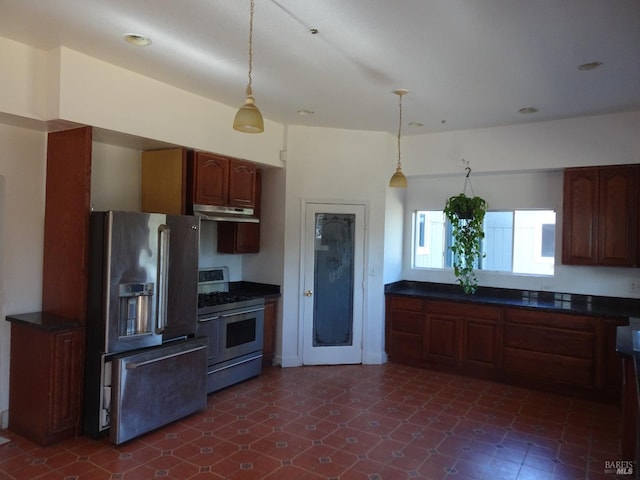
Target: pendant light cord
pixel 399 126
pixel 249 91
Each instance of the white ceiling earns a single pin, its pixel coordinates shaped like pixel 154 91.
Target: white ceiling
pixel 466 63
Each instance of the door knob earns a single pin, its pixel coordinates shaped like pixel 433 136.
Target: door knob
pixel 308 293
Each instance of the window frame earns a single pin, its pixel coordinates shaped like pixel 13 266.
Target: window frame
pixel 447 260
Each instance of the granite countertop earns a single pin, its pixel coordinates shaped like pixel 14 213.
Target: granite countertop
pixel 45 321
pixel 553 301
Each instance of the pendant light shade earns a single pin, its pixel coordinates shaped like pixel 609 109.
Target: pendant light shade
pixel 398 180
pixel 249 119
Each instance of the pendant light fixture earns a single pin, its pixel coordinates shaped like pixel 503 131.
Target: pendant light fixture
pixel 398 179
pixel 249 119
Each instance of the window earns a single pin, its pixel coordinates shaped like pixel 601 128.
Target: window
pixel 516 241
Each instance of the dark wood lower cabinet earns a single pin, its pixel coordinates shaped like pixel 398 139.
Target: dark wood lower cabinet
pixel 560 352
pixel 441 339
pixel 550 347
pixel 269 340
pixel 45 384
pixel 404 328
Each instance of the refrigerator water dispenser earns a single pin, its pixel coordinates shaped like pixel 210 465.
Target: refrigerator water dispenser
pixel 135 308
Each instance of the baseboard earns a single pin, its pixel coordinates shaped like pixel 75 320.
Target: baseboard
pixel 286 362
pixel 376 359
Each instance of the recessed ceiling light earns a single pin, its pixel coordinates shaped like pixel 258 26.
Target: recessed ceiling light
pixel 589 66
pixel 527 110
pixel 305 112
pixel 416 124
pixel 137 40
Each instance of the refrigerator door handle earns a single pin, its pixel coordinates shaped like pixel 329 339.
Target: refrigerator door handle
pixel 163 277
pixel 132 365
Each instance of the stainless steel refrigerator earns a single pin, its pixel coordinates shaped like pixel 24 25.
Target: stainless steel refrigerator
pixel 144 366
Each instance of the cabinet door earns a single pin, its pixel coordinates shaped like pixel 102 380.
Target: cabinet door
pixel 164 181
pixel 66 372
pixel 210 179
pixel 617 215
pixel 238 237
pixel 441 338
pixel 480 343
pixel 242 184
pixel 579 216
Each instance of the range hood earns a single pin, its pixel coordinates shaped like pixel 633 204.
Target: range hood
pixel 218 213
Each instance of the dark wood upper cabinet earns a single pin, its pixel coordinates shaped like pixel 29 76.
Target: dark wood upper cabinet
pixel 174 179
pixel 617 215
pixel 242 184
pixel 600 216
pixel 209 178
pixel 219 180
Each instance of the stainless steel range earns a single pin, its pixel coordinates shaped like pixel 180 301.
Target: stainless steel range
pixel 234 325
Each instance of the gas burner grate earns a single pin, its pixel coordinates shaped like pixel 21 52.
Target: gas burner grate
pixel 219 298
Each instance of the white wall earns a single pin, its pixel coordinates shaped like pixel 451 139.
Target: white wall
pixel 115 177
pixel 328 165
pixel 22 168
pixel 64 85
pixel 268 265
pixel 597 140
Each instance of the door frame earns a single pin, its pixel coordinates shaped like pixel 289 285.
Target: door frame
pixel 304 202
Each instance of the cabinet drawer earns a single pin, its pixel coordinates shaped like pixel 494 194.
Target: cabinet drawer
pixel 407 322
pixel 549 319
pixel 407 303
pixel 463 310
pixel 549 340
pixel 548 368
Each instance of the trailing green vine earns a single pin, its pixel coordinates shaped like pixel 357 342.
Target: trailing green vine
pixel 466 215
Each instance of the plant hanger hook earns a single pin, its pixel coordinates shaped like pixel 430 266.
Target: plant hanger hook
pixel 467 179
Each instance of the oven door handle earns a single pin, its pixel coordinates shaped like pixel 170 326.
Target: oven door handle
pixel 242 312
pixel 208 319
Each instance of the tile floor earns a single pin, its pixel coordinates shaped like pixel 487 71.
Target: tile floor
pixel 349 423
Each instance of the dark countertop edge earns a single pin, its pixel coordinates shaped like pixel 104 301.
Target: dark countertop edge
pixel 45 321
pixel 558 302
pixel 254 289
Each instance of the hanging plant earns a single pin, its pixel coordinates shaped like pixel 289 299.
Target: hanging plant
pixel 466 215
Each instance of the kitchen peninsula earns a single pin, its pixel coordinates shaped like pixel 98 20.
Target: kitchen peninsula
pixel 553 341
